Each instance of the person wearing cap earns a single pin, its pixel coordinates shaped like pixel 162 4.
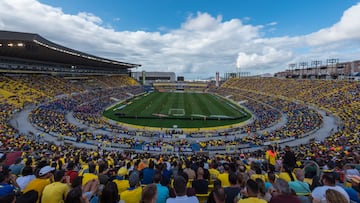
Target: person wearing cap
pixel 56 191
pixel 133 193
pixel 44 178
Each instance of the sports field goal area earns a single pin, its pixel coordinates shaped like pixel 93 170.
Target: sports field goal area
pixel 176 112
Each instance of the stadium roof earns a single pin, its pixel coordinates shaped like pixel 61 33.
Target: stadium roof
pixel 33 47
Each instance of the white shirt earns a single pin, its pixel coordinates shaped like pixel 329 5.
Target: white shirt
pixel 183 199
pixel 23 181
pixel 319 192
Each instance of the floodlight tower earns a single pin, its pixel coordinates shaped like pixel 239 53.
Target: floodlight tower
pixel 331 63
pixel 317 65
pixel 303 65
pixel 292 67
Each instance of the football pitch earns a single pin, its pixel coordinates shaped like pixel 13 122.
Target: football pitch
pixel 183 110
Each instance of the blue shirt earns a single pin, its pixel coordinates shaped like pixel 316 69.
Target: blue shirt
pixel 6 189
pixel 148 174
pixel 162 193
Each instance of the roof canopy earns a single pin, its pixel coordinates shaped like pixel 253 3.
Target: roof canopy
pixel 33 47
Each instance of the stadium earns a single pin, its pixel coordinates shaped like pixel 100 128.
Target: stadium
pixel 55 100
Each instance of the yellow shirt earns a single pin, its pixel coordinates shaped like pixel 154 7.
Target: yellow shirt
pixel 261 176
pixel 122 185
pixel 87 177
pixel 213 173
pixel 131 196
pixel 286 177
pixel 38 184
pixel 224 178
pixel 55 192
pixel 252 200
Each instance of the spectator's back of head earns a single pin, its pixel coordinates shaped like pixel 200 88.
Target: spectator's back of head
pixel 58 175
pixel 252 188
pixel 282 186
pixel 233 178
pixel 110 193
pixel 180 186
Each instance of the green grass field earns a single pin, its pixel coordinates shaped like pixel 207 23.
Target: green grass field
pixel 185 110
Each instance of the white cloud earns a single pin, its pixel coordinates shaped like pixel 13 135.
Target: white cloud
pixel 348 28
pixel 202 45
pixel 266 57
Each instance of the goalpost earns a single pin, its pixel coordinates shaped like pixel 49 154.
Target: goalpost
pixel 176 112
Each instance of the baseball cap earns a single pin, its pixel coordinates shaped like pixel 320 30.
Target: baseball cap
pixel 46 169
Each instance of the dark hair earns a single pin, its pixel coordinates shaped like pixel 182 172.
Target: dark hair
pixel 58 175
pixel 74 195
pixel 157 177
pixel 148 193
pixel 8 198
pixel 110 193
pixel 77 181
pixel 329 177
pixel 27 170
pixel 252 187
pixel 271 176
pixel 151 164
pixel 232 178
pixel 261 186
pixel 92 168
pixel 180 185
pixel 219 193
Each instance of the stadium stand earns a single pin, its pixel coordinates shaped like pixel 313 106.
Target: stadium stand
pixel 122 156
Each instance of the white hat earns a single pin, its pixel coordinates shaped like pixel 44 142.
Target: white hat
pixel 46 169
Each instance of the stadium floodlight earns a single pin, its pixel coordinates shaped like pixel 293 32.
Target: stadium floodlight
pixel 20 44
pixel 10 44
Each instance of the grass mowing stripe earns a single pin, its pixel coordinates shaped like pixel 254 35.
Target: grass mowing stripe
pixel 192 103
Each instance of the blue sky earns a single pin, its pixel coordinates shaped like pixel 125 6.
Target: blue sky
pixel 195 38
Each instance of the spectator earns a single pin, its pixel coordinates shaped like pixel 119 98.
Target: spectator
pixel 233 189
pixel 133 193
pixel 180 191
pixel 200 184
pixel 334 196
pixel 289 158
pixel 283 193
pixel 147 173
pixel 299 186
pixel 162 191
pixel 56 191
pixel 149 194
pixel 8 184
pixel 109 194
pixel 190 172
pixel 263 194
pixel 224 177
pixel 17 166
pixel 27 176
pixel 270 157
pixel 44 178
pixel 219 195
pixel 328 179
pixel 70 171
pixel 252 193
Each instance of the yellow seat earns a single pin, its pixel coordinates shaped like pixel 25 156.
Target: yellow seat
pixel 203 197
